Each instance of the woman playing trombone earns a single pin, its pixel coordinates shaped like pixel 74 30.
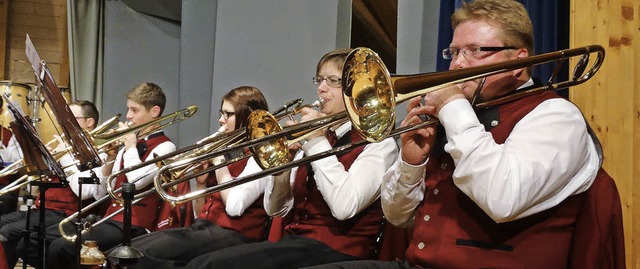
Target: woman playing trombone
pixel 232 217
pixel 333 202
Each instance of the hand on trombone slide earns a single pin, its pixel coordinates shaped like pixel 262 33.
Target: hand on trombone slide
pixel 416 144
pixel 307 114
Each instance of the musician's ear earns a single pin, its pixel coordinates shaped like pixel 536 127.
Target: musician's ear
pixel 91 123
pixel 155 111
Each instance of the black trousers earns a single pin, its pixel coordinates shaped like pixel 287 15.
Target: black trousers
pixel 290 252
pixel 9 201
pixel 174 248
pixel 13 225
pixel 63 253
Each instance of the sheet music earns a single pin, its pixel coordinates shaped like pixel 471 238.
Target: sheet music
pixel 32 55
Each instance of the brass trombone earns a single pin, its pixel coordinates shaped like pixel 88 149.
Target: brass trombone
pixel 371 95
pixel 218 139
pixel 19 165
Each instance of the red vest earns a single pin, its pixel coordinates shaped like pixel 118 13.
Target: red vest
pixel 312 218
pixel 451 231
pixel 60 199
pixel 251 223
pixel 175 216
pixel 145 212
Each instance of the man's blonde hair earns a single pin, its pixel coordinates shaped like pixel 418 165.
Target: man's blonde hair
pixel 149 95
pixel 508 15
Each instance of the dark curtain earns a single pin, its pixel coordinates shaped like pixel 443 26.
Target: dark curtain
pixel 550 20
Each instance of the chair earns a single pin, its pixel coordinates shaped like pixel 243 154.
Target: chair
pixel 598 240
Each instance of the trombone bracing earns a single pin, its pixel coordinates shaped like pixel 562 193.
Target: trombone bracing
pixel 370 96
pixel 214 141
pixel 19 165
pixel 206 145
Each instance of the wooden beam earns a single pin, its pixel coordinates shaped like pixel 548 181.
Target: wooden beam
pixel 63 80
pixel 361 11
pixel 4 12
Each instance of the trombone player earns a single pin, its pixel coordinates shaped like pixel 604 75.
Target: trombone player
pixel 145 103
pixel 497 187
pixel 333 202
pixel 60 202
pixel 231 217
pixel 10 152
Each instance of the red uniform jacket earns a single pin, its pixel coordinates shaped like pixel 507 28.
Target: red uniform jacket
pixel 252 223
pixel 60 199
pixel 452 231
pixel 145 212
pixel 312 218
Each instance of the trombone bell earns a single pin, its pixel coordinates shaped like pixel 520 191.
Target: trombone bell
pixel 367 85
pixel 270 153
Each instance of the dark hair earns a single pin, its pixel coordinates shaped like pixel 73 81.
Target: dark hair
pixel 244 100
pixel 149 95
pixel 88 109
pixel 336 57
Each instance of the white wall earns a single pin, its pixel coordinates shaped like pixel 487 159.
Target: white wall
pixel 221 44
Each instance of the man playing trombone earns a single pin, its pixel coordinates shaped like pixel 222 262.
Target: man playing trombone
pixel 333 203
pixel 496 187
pixel 231 217
pixel 60 202
pixel 145 103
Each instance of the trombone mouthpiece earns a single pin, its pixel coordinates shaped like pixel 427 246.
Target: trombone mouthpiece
pixel 128 123
pixel 318 103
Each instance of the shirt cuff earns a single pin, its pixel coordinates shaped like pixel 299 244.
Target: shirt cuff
pixel 457 116
pixel 411 175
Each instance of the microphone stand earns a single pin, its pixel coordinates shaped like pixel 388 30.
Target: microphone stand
pixel 43 186
pixel 28 200
pixel 125 254
pixel 93 179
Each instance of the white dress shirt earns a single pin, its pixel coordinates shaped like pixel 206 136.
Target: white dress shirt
pixel 347 192
pixel 96 191
pixel 548 157
pixel 12 152
pixel 142 176
pixel 244 195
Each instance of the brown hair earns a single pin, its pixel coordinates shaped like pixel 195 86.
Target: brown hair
pixel 149 95
pixel 245 99
pixel 335 57
pixel 509 15
pixel 88 109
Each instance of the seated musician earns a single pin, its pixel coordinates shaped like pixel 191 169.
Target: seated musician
pixel 59 202
pixel 333 203
pixel 10 152
pixel 231 217
pixel 145 103
pixel 492 188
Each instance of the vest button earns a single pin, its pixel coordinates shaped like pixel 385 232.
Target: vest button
pixel 114 204
pixel 436 191
pixel 427 217
pixel 421 245
pixel 443 166
pixel 494 123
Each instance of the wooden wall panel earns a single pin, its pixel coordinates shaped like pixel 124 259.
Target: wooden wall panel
pixel 4 8
pixel 45 22
pixel 611 100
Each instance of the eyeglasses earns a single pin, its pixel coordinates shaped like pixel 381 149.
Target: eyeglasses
pixel 471 52
pixel 226 114
pixel 331 81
